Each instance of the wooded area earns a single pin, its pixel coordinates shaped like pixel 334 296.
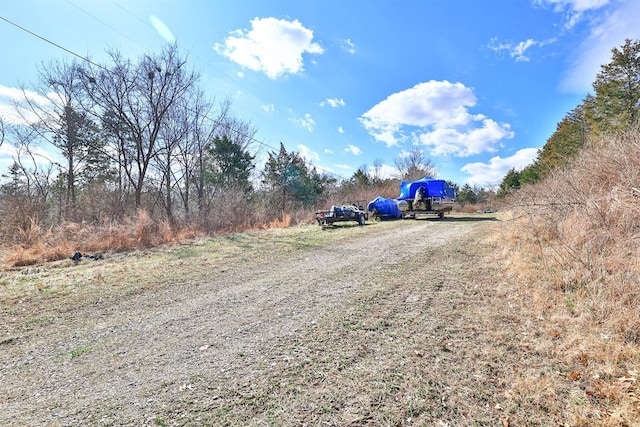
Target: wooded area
pixel 613 108
pixel 136 135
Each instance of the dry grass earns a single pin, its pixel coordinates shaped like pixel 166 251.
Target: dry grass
pixel 39 245
pixel 285 222
pixel 478 207
pixel 573 247
pixel 229 212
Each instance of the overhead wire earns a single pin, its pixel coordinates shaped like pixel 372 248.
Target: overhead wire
pixel 46 40
pixel 106 24
pixel 87 60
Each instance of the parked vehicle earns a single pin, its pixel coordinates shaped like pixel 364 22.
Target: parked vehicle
pixel 340 213
pixel 418 199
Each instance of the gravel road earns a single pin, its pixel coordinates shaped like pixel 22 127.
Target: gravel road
pixel 164 351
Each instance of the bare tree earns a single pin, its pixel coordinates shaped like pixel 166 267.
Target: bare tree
pixel 170 143
pixel 64 121
pixel 51 111
pixel 137 98
pixel 377 170
pixel 206 126
pixel 205 131
pixel 415 165
pixel 36 169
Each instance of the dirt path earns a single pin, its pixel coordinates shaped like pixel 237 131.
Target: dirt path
pixel 389 324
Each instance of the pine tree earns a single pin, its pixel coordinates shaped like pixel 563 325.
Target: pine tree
pixel 228 165
pixel 617 88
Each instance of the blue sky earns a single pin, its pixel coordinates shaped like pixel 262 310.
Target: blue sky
pixel 478 85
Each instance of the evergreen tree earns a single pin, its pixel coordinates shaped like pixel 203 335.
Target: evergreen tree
pixel 613 107
pixel 290 182
pixel 562 147
pixel 467 195
pixel 360 178
pixel 77 140
pixel 617 88
pixel 510 183
pixel 228 165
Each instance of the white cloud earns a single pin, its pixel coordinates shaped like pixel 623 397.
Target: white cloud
pixel 270 108
pixel 333 102
pixel 518 50
pixel 424 104
pixel 340 130
pixel 9 114
pixel 435 113
pixel 10 100
pixel 404 154
pixel 356 151
pixel 607 32
pixel 385 171
pixel 328 151
pixel 13 112
pixel 577 5
pixel 15 94
pixel 162 29
pixel 497 46
pixel 467 142
pixel 44 155
pixel 348 46
pixel 272 46
pixel 608 24
pixel 306 122
pixel 493 172
pixel 308 154
pixel 7 153
pixel 574 10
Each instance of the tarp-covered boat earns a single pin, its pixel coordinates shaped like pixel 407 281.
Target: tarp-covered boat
pixel 381 207
pixel 433 188
pixel 421 198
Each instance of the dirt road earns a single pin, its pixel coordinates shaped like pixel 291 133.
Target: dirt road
pixel 394 323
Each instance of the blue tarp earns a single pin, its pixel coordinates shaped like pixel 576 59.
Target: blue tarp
pixel 385 207
pixel 451 192
pixel 433 188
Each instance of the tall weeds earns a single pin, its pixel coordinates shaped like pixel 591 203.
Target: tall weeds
pixel 583 226
pixel 575 245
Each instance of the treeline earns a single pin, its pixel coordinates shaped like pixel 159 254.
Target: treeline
pixel 611 109
pixel 140 135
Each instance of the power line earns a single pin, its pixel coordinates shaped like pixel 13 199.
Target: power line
pixel 131 13
pixel 83 58
pixel 106 24
pixel 51 42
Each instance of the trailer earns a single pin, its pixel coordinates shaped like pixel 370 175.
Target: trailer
pixel 431 207
pixel 352 211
